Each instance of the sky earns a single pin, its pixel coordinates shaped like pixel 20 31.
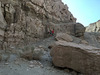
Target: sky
pixel 86 11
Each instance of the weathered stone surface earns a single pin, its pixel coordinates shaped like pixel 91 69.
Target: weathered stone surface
pixel 93 27
pixel 79 30
pixel 26 21
pixel 37 53
pixel 38 2
pixel 98 38
pixel 31 53
pixel 2 24
pixel 84 42
pixel 92 38
pixel 26 52
pixel 75 29
pixel 64 37
pixel 28 56
pixel 82 58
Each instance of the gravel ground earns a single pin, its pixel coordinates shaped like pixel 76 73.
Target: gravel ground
pixel 23 68
pixel 44 66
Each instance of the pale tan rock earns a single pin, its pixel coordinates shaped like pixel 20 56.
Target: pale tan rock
pixel 78 57
pixel 6 63
pixel 93 27
pixel 38 2
pixel 28 56
pixel 84 42
pixel 35 64
pixel 25 21
pixel 64 37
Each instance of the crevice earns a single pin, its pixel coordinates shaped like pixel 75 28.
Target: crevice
pixel 4 11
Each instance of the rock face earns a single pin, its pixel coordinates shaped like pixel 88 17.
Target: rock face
pixel 92 38
pixel 93 27
pixel 75 29
pixel 82 58
pixel 25 21
pixel 30 53
pixel 79 30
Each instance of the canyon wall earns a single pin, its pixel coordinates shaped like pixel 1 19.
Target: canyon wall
pixel 25 21
pixel 93 27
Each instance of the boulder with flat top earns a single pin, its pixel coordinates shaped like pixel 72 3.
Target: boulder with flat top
pixel 79 57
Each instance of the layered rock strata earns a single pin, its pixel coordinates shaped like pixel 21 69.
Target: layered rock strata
pixel 79 57
pixel 24 21
pixel 93 27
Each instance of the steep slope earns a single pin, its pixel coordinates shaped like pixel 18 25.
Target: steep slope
pixel 25 21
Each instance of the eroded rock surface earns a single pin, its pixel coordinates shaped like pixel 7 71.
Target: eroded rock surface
pixel 93 27
pixel 26 21
pixel 64 37
pixel 82 58
pixel 23 22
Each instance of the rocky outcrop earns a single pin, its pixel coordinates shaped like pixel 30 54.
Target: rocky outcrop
pixel 79 30
pixel 30 52
pixel 25 21
pixel 92 38
pixel 79 57
pixel 2 26
pixel 93 27
pixel 75 29
pixel 92 34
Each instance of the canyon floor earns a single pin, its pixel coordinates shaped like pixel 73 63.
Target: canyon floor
pixel 44 66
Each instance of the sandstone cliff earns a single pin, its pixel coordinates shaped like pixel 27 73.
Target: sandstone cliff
pixel 25 21
pixel 93 27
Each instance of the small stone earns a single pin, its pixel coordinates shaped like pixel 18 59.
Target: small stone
pixel 31 62
pixel 49 68
pixel 84 42
pixel 27 69
pixel 31 66
pixel 40 46
pixel 6 63
pixel 42 66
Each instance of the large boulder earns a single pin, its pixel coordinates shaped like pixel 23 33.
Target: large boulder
pixel 79 30
pixel 64 37
pixel 79 57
